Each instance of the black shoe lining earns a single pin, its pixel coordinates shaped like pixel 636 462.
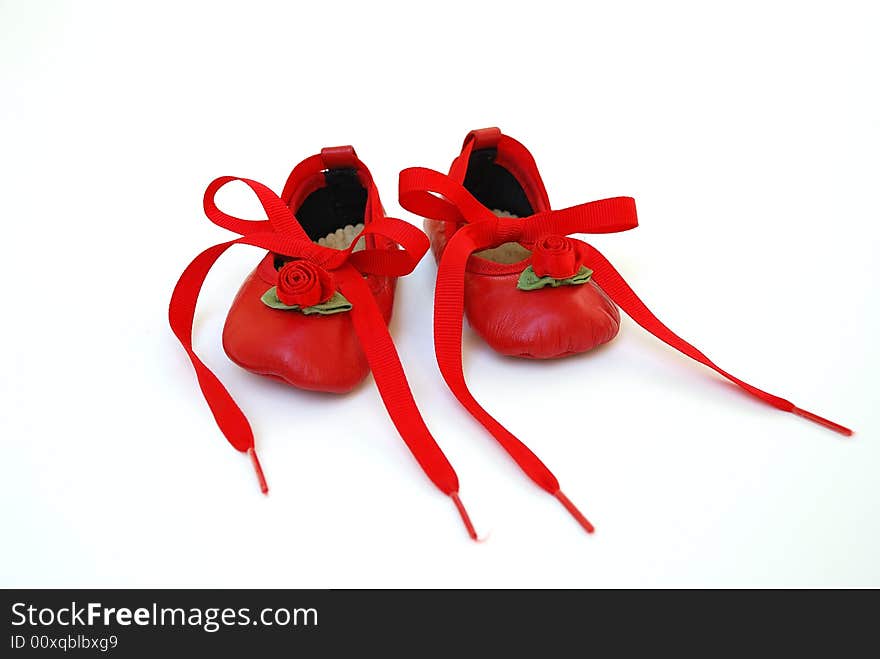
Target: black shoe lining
pixel 341 202
pixel 494 186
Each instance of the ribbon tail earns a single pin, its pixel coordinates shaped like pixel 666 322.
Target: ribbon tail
pixel 448 315
pixel 614 285
pixel 181 311
pixel 394 389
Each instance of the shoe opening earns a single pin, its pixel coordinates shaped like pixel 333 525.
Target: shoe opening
pixel 499 191
pixel 327 213
pixel 333 215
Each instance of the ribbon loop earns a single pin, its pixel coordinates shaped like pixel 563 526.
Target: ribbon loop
pixel 436 196
pixel 282 234
pixel 279 216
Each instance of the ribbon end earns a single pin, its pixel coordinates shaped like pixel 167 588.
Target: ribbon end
pixel 261 478
pixel 826 423
pixel 464 516
pixel 577 514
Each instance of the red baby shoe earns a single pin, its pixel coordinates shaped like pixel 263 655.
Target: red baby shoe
pixel 319 351
pixel 558 320
pixel 314 311
pixel 506 261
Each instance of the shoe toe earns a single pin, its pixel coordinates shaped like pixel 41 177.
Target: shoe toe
pixel 540 324
pixel 320 353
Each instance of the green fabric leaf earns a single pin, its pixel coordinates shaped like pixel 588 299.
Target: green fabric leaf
pixel 529 281
pixel 336 304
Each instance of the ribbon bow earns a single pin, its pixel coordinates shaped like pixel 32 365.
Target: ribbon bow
pixel 436 196
pixel 282 234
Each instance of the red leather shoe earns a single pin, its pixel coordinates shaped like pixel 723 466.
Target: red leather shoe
pixel 320 352
pixel 314 311
pixel 506 261
pixel 558 320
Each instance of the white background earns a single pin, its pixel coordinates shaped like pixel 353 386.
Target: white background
pixel 749 136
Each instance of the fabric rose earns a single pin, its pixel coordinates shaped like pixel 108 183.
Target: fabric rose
pixel 557 257
pixel 304 284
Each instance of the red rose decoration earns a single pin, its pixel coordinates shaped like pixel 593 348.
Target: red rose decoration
pixel 556 256
pixel 304 284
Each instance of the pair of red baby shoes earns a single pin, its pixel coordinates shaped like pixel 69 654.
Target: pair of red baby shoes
pixel 315 310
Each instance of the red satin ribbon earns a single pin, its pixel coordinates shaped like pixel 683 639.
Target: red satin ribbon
pixel 281 233
pixel 436 196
